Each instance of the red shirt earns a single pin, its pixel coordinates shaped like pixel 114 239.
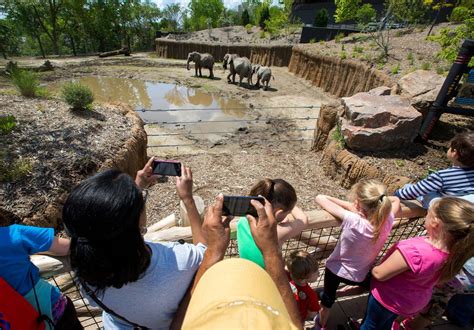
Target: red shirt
pixel 306 298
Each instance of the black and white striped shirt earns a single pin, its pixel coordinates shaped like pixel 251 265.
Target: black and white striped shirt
pixel 453 181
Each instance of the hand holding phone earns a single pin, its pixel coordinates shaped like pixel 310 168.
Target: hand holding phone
pixel 240 205
pixel 167 167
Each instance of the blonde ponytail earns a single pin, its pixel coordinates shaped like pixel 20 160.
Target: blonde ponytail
pixel 457 216
pixel 371 195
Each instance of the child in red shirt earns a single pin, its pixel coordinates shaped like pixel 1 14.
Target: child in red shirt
pixel 303 269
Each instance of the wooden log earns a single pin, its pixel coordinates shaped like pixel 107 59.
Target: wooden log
pixel 171 235
pixel 49 266
pixel 168 222
pixel 122 51
pixel 184 215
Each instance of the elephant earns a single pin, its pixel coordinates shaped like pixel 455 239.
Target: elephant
pixel 242 67
pixel 264 73
pixel 204 60
pixel 226 62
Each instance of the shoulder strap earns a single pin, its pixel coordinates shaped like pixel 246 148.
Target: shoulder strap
pixel 93 296
pixel 41 317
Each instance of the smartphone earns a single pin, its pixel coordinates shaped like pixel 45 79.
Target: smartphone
pixel 167 167
pixel 240 205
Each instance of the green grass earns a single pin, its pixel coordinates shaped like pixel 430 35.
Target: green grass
pixel 337 136
pixel 7 124
pixel 426 66
pixel 400 162
pixel 395 69
pixel 26 82
pixel 13 171
pixel 358 49
pixel 343 55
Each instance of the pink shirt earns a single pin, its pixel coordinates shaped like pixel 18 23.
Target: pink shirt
pixel 407 293
pixel 355 251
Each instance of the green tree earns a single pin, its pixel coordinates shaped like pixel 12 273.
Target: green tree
pixel 9 42
pixel 365 15
pixel 171 17
pixel 322 18
pixel 346 10
pixel 410 11
pixel 203 12
pixel 245 17
pixel 263 14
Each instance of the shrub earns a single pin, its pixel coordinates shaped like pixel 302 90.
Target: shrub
pixel 7 124
pixel 322 18
pixel 338 136
pixel 263 34
pixel 365 15
pixel 249 27
pixel 426 66
pixel 343 55
pixel 410 58
pixel 395 69
pixel 358 49
pixel 460 14
pixel 312 41
pixel 78 96
pixel 12 171
pixel 451 40
pixel 26 82
pixel 339 37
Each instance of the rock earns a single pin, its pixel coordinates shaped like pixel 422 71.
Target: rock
pixel 46 66
pixel 379 91
pixel 374 123
pixel 328 115
pixel 421 87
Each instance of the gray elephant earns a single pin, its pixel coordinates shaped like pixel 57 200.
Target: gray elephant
pixel 264 73
pixel 242 67
pixel 201 61
pixel 228 58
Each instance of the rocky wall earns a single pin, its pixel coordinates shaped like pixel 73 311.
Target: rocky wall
pixel 275 55
pixel 334 75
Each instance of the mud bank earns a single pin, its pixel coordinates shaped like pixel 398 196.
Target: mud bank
pixel 276 55
pixel 334 75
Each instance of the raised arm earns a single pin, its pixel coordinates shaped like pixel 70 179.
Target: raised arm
pixel 432 183
pixel 291 228
pixel 264 232
pixel 184 188
pixel 145 176
pixel 334 205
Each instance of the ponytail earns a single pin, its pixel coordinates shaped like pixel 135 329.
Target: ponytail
pixel 457 216
pixel 278 192
pixel 371 195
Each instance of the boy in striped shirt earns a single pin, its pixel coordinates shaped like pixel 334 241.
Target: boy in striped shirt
pixel 457 180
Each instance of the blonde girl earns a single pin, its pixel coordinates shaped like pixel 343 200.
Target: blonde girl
pixel 403 282
pixel 366 222
pixel 290 218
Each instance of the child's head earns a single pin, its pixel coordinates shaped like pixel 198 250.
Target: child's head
pixel 302 266
pixel 461 148
pixel 278 192
pixel 453 219
pixel 370 197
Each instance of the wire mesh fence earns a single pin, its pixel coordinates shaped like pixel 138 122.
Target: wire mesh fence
pixel 320 242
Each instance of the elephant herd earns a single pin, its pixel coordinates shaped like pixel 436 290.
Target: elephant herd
pixel 237 66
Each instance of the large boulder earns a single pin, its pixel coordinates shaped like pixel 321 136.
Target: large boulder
pixel 421 87
pixel 374 122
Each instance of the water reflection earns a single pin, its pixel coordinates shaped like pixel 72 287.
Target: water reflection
pixel 161 97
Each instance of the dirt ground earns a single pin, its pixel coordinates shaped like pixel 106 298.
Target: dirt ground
pixel 254 151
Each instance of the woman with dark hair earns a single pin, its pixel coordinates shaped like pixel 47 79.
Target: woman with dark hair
pixel 136 283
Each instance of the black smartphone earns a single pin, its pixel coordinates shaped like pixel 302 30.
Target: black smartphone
pixel 240 205
pixel 167 167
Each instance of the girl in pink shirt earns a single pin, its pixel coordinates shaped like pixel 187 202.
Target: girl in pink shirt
pixel 403 282
pixel 366 224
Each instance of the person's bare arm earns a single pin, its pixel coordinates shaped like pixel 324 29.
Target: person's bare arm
pixel 390 267
pixel 289 228
pixel 184 188
pixel 334 205
pixel 395 205
pixel 264 233
pixel 60 247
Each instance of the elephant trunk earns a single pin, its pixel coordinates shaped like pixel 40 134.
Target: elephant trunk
pixel 187 63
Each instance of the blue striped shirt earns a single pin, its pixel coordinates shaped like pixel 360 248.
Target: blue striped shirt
pixel 453 181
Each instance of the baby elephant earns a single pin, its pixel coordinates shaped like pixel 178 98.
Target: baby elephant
pixel 264 73
pixel 201 61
